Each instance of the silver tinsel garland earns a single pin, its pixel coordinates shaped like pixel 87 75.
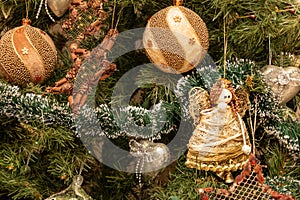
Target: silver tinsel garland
pixel 133 121
pixel 28 108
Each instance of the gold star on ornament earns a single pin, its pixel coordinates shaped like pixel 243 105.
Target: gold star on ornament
pixel 149 43
pixel 192 41
pixel 177 18
pixel 25 51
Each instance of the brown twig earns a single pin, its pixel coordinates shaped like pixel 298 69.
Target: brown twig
pixel 78 96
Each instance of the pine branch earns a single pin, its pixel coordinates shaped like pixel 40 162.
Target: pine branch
pixel 248 38
pixel 283 171
pixel 183 183
pixel 29 107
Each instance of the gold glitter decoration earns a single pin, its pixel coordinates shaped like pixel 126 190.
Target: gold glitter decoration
pixel 192 41
pixel 249 185
pixel 86 19
pixel 27 54
pixel 179 39
pixel 177 19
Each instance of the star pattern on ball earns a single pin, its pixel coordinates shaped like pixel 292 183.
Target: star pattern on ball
pixel 194 62
pixel 165 66
pixel 192 41
pixel 149 43
pixel 25 51
pixel 177 19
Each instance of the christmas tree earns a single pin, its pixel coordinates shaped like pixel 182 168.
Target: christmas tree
pixel 98 120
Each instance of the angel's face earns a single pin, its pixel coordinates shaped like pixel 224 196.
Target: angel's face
pixel 225 96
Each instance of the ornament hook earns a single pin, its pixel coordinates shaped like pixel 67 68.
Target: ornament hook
pixel 177 2
pixel 26 21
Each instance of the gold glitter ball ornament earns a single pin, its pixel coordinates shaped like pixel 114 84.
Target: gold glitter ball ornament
pixel 27 54
pixel 176 39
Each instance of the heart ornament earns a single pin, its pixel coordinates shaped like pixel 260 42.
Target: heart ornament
pixel 59 7
pixel 284 82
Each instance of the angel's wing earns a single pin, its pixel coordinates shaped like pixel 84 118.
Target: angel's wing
pixel 243 100
pixel 198 101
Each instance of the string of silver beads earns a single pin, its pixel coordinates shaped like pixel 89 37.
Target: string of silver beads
pixel 46 8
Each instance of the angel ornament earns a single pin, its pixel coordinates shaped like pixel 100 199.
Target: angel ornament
pixel 220 142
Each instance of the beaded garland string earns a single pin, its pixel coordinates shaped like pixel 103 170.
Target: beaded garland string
pixel 46 8
pixel 150 156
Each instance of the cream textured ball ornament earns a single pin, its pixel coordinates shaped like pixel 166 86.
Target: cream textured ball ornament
pixel 27 54
pixel 284 82
pixel 176 39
